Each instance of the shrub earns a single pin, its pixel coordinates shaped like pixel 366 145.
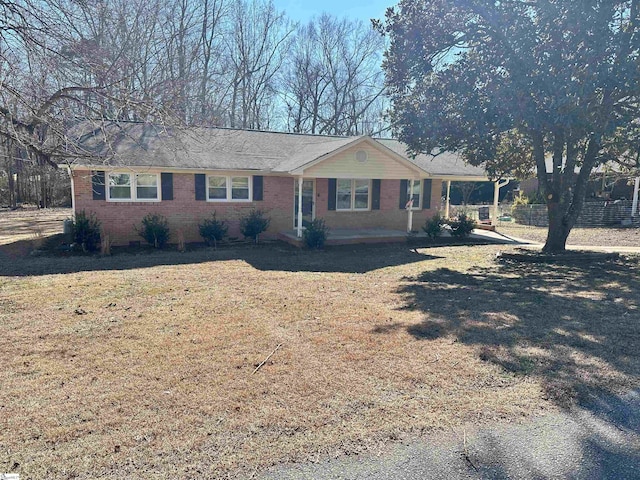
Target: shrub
pixel 433 226
pixel 462 226
pixel 521 199
pixel 254 224
pixel 86 231
pixel 315 234
pixel 213 230
pixel 155 230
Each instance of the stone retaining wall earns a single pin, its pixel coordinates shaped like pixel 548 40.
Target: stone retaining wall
pixel 594 214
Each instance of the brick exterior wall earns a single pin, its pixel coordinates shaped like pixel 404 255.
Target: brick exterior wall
pixel 389 216
pixel 184 212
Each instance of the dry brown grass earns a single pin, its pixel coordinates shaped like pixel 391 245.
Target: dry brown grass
pixel 601 237
pixel 140 366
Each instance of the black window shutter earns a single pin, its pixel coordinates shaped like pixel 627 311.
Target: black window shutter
pixel 166 180
pixel 201 186
pixel 332 194
pixel 426 193
pixel 375 195
pixel 404 185
pixel 98 185
pixel 257 188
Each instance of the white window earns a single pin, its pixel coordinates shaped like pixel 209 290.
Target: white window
pixel 217 188
pixel 229 189
pixel 343 192
pixel 134 187
pixel 417 191
pixel 240 188
pixel 119 186
pixel 352 194
pixel 147 186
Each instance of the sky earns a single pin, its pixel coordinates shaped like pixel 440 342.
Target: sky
pixel 303 10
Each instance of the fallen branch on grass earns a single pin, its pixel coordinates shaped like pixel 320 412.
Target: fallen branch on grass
pixel 437 359
pixel 266 359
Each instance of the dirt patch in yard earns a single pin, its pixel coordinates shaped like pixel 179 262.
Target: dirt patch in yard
pixel 141 365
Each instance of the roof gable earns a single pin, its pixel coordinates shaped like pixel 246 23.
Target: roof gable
pixel 377 162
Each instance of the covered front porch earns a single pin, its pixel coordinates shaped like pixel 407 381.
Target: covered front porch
pixel 352 236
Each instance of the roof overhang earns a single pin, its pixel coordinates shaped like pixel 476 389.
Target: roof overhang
pixel 464 178
pixel 142 168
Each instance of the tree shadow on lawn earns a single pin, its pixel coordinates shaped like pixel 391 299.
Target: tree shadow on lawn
pixel 265 257
pixel 575 326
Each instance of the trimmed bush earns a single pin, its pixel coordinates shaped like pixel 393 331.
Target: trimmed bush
pixel 213 230
pixel 462 226
pixel 155 230
pixel 433 226
pixel 85 230
pixel 315 235
pixel 254 224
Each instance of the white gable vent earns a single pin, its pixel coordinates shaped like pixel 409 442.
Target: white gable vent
pixel 361 156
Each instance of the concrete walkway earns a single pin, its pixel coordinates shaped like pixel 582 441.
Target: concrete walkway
pixel 524 243
pixel 600 440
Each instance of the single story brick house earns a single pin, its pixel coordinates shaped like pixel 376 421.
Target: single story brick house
pixel 351 182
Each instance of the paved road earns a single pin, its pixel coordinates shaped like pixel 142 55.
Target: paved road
pixel 600 440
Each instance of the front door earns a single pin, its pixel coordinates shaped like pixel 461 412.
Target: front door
pixel 308 205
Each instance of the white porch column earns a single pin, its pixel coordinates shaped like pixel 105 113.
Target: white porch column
pixel 73 193
pixel 448 200
pixel 299 226
pixel 410 216
pixel 497 185
pixel 496 197
pixel 634 203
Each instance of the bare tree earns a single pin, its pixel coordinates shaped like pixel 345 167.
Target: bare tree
pixel 65 63
pixel 333 82
pixel 257 47
pixel 212 89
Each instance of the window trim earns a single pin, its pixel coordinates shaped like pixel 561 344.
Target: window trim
pixel 133 185
pixel 229 186
pixel 353 195
pixel 419 206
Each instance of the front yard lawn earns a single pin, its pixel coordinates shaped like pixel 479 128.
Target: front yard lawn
pixel 140 366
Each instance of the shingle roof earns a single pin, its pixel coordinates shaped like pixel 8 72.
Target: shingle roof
pixel 146 145
pixel 443 164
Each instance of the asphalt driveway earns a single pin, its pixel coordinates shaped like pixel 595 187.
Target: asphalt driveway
pixel 598 440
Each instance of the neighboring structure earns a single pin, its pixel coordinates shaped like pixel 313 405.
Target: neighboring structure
pixel 351 182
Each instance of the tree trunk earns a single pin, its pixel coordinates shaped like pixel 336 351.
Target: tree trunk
pixel 558 231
